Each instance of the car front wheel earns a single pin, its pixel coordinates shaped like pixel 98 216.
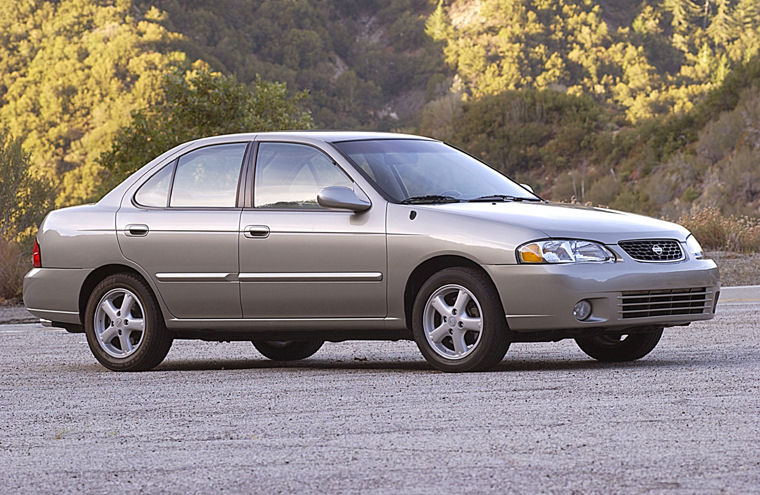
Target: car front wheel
pixel 287 350
pixel 458 321
pixel 124 326
pixel 620 347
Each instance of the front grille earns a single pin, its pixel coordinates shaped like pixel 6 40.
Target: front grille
pixel 665 302
pixel 653 249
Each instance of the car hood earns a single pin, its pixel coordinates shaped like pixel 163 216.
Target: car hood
pixel 559 220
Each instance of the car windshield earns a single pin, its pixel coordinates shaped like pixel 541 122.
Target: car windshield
pixel 411 170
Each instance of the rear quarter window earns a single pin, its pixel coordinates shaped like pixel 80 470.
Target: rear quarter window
pixel 155 191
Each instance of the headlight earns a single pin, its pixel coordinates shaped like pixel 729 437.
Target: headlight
pixel 564 251
pixel 694 249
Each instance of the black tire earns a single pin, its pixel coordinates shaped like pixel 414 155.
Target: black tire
pixel 287 350
pixel 155 340
pixel 493 342
pixel 617 348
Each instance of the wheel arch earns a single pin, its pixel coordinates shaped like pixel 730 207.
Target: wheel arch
pixel 100 274
pixel 426 269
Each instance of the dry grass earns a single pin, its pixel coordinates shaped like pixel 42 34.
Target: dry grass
pixel 736 268
pixel 719 232
pixel 13 266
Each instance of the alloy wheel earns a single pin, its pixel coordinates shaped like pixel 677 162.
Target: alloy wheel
pixel 119 322
pixel 453 321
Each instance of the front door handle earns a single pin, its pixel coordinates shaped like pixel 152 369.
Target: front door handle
pixel 256 231
pixel 137 230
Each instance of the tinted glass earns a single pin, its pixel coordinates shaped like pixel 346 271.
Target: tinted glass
pixel 405 168
pixel 208 176
pixel 291 175
pixel 155 191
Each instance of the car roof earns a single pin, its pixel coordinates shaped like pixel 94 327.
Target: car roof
pixel 314 135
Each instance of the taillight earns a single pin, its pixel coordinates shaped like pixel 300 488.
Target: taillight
pixel 36 255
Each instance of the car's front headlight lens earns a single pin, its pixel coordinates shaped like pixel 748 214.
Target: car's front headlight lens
pixel 564 251
pixel 694 249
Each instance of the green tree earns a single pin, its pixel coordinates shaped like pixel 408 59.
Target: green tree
pixel 747 19
pixel 24 198
pixel 196 104
pixel 682 14
pixel 723 26
pixel 747 14
pixel 71 72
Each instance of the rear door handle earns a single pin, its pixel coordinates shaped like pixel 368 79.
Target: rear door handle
pixel 256 231
pixel 137 230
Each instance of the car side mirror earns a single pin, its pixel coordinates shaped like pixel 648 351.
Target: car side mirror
pixel 341 197
pixel 526 186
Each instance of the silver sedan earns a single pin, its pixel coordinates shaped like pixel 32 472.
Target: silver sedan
pixel 295 238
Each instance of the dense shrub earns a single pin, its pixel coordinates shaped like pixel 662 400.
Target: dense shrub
pixel 13 265
pixel 524 130
pixel 726 233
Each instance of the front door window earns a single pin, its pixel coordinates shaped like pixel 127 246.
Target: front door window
pixel 291 175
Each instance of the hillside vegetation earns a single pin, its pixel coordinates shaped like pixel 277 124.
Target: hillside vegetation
pixel 659 58
pixel 643 106
pixel 575 148
pixel 73 71
pixel 366 63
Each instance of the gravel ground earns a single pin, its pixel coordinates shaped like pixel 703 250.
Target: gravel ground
pixel 13 313
pixel 371 417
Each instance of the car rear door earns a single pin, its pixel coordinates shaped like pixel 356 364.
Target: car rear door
pixel 299 260
pixel 182 228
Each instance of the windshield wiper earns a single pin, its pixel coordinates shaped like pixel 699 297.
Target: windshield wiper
pixel 501 197
pixel 430 198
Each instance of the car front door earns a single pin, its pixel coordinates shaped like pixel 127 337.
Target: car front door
pixel 181 227
pixel 299 260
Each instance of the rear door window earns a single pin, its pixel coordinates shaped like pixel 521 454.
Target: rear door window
pixel 208 177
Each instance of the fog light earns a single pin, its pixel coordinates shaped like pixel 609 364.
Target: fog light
pixel 582 310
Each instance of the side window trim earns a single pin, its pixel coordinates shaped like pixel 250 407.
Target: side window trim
pixel 171 182
pixel 250 204
pixel 242 189
pixel 250 175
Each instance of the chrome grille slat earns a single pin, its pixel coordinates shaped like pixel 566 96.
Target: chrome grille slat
pixel 664 302
pixel 656 296
pixel 663 293
pixel 653 250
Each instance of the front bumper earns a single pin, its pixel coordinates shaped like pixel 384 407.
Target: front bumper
pixel 542 297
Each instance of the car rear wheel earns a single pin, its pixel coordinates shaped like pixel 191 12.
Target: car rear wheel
pixel 458 321
pixel 124 326
pixel 287 350
pixel 620 347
